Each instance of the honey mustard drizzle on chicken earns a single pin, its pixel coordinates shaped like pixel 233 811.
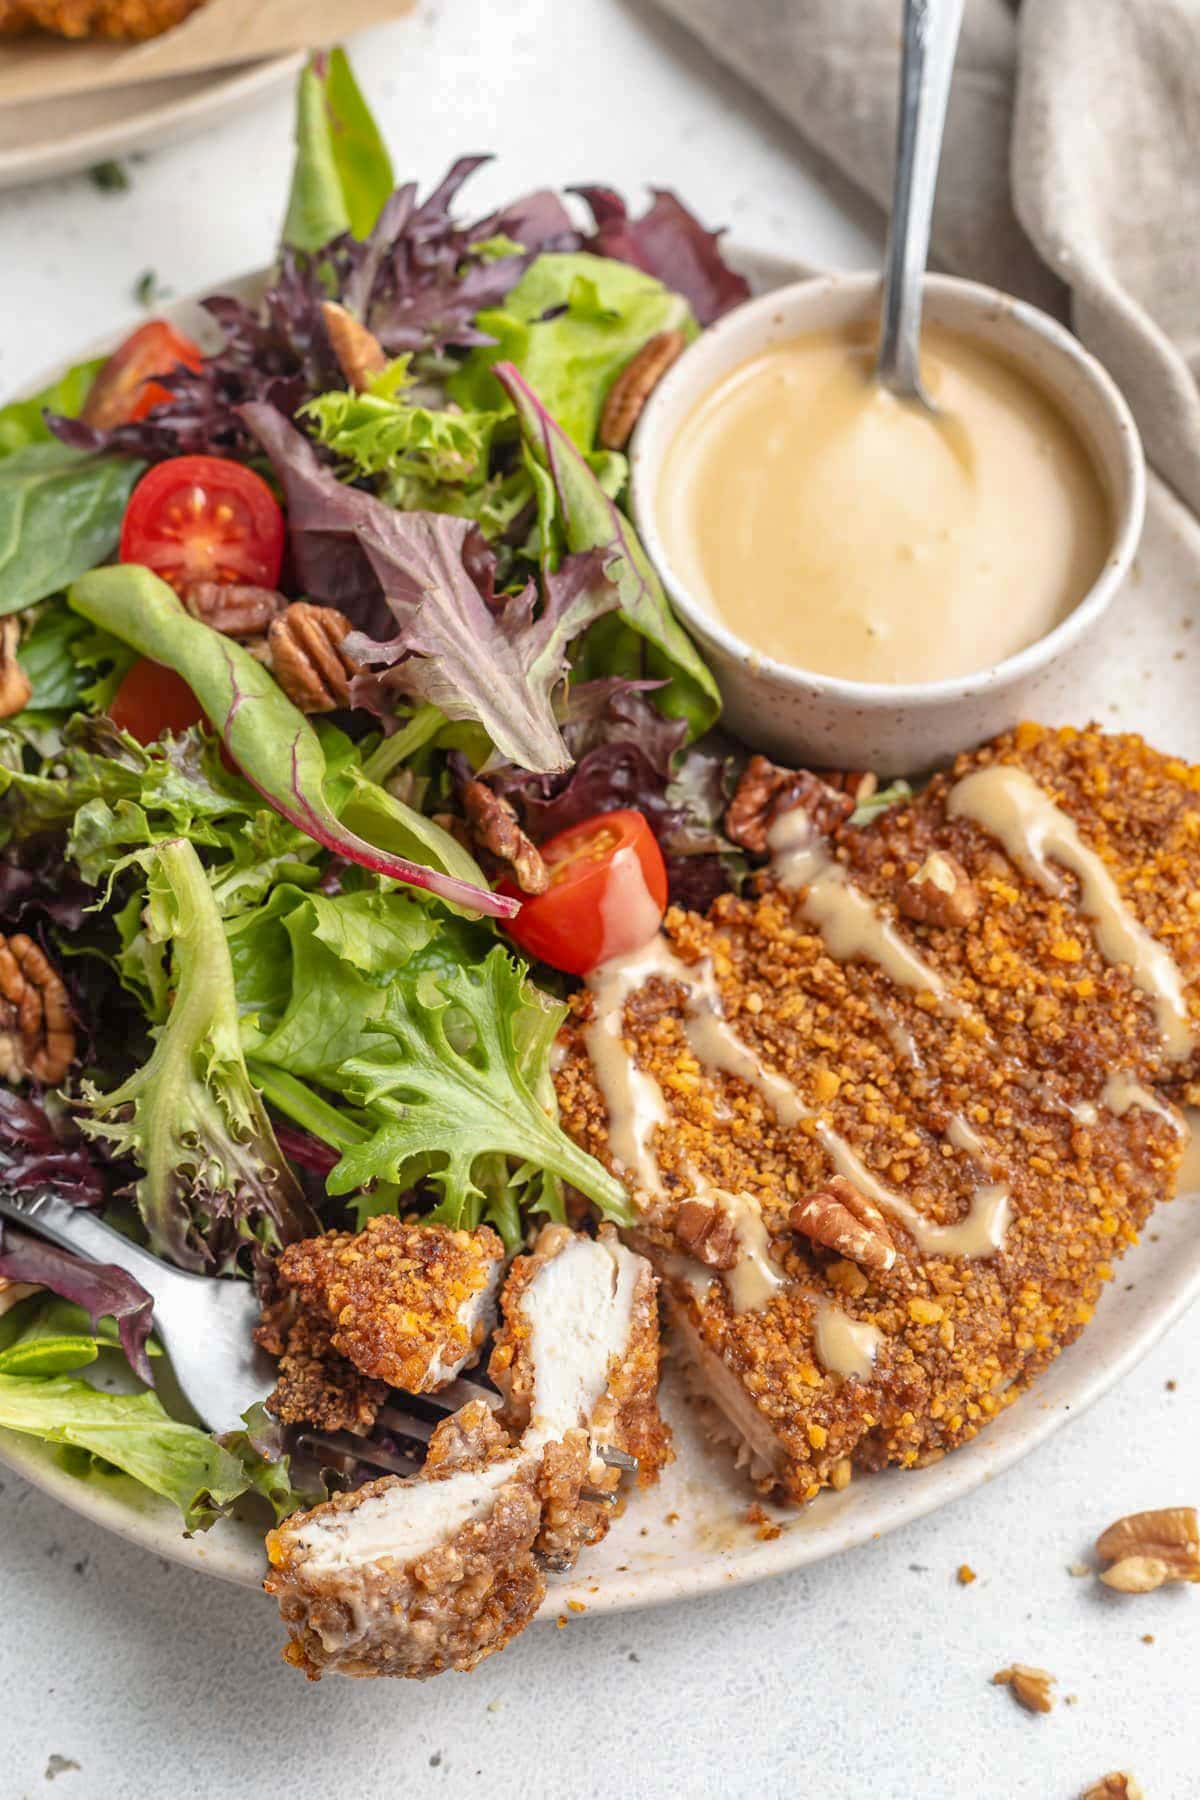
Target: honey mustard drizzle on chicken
pixel 636 1104
pixel 1037 834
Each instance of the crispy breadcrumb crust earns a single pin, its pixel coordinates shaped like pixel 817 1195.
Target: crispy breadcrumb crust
pixel 467 1597
pixel 1044 1020
pixel 365 1311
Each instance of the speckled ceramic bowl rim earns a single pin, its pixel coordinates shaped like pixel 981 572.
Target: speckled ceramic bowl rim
pixel 755 321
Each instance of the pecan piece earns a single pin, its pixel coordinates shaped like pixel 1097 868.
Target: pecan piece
pixel 37 1034
pixel 633 387
pixel 940 893
pixel 1117 1786
pixel 360 355
pixel 706 1231
pixel 494 825
pixel 310 665
pixel 765 791
pixel 840 1218
pixel 15 688
pixel 1031 1687
pixel 237 609
pixel 1148 1550
pixel 860 784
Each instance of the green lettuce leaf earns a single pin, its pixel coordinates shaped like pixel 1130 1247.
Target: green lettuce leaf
pixel 23 422
pixel 450 1078
pixel 133 1433
pixel 343 173
pixel 60 515
pixel 578 515
pixel 213 1177
pixel 383 431
pixel 275 746
pixel 570 325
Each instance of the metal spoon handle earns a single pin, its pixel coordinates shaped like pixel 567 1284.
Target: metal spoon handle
pixel 931 30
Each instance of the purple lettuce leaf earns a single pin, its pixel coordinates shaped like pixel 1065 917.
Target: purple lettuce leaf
pixel 37 1150
pixel 417 281
pixel 669 242
pixel 103 1290
pixel 629 755
pixel 494 659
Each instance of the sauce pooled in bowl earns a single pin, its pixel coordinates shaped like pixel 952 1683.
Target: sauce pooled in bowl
pixel 834 527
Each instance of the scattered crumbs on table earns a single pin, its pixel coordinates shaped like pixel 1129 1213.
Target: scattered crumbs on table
pixel 60 1765
pixel 1079 1568
pixel 964 1575
pixel 576 1606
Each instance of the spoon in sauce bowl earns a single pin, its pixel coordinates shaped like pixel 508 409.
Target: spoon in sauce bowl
pixel 931 29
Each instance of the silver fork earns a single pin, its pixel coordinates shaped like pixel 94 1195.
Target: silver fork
pixel 206 1327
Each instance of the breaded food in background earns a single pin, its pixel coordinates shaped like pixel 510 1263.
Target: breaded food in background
pixel 128 20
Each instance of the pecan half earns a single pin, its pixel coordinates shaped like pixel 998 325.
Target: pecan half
pixel 706 1231
pixel 633 387
pixel 494 825
pixel 236 609
pixel 37 1034
pixel 310 665
pixel 840 1218
pixel 765 791
pixel 1030 1686
pixel 14 683
pixel 359 353
pixel 1148 1550
pixel 940 893
pixel 860 784
pixel 1117 1786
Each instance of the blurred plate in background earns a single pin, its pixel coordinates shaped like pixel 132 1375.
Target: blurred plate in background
pixel 56 137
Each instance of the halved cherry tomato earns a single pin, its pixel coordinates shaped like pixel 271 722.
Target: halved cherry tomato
pixel 125 389
pixel 201 518
pixel 151 700
pixel 607 894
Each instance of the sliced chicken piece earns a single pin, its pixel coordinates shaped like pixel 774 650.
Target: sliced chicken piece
pixel 400 1304
pixel 410 1577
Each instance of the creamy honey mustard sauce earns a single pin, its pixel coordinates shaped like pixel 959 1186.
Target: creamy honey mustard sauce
pixel 837 528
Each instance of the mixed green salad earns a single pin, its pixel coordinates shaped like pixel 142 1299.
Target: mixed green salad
pixel 334 684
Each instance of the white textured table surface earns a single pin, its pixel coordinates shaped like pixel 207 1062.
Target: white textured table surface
pixel 866 1677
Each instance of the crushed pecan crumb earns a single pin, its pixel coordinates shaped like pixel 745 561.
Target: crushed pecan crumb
pixel 840 1218
pixel 633 387
pixel 1147 1550
pixel 236 609
pixel 494 826
pixel 310 665
pixel 940 893
pixel 15 687
pixel 1117 1786
pixel 1031 1687
pixel 706 1231
pixel 360 355
pixel 764 791
pixel 37 1034
pixel 965 1575
pixel 860 784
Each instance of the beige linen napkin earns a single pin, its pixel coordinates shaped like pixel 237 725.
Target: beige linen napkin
pixel 1070 176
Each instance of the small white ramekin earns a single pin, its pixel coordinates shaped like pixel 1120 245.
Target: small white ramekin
pixel 822 720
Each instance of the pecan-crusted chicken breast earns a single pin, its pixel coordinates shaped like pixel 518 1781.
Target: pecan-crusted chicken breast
pixel 410 1577
pixel 890 1123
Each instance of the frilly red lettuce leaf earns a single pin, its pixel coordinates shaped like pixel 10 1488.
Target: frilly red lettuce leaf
pixel 417 281
pixel 37 1150
pixel 493 659
pixel 103 1290
pixel 667 241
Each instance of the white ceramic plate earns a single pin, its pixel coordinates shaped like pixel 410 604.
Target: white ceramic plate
pixel 56 137
pixel 689 1535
